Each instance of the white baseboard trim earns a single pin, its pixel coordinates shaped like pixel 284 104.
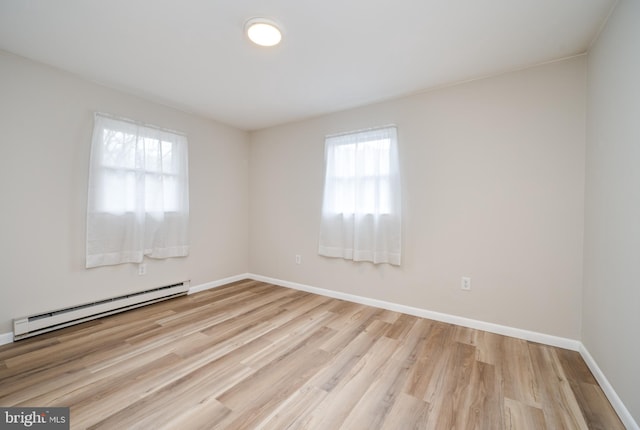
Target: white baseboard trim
pixel 574 345
pixel 620 408
pixel 532 336
pixel 6 338
pixel 218 283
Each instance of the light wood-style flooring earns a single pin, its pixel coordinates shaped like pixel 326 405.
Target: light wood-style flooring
pixel 252 355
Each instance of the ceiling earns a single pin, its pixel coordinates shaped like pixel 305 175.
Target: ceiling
pixel 193 55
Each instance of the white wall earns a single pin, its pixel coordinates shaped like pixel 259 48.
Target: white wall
pixel 46 120
pixel 494 185
pixel 493 180
pixel 611 305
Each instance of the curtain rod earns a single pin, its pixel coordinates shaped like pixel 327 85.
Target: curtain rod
pixel 139 123
pixel 362 130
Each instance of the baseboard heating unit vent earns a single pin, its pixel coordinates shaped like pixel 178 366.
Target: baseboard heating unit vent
pixel 48 321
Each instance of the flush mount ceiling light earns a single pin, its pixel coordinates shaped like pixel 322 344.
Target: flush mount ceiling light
pixel 263 32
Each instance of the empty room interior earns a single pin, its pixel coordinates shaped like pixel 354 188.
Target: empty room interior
pixel 385 215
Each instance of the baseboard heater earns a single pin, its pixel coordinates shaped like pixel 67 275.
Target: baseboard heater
pixel 54 320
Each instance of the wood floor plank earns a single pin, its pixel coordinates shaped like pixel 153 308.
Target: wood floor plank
pixel 590 397
pixel 521 416
pixel 407 413
pixel 555 390
pixel 598 412
pixel 574 367
pixel 348 326
pixel 374 406
pixel 273 383
pixel 199 416
pixel 103 398
pixel 401 327
pixel 489 348
pixel 343 362
pixel 288 335
pixel 520 382
pixel 332 412
pixel 449 394
pixel 251 355
pixel 431 360
pixel 203 384
pixel 482 407
pixel 290 413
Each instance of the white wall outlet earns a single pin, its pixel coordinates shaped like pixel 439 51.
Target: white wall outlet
pixel 465 284
pixel 298 259
pixel 142 269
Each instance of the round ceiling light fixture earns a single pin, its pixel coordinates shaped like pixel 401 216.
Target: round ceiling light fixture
pixel 263 32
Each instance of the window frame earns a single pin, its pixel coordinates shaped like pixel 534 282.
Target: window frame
pixel 359 139
pixel 137 170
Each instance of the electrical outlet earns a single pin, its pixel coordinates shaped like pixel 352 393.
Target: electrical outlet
pixel 465 284
pixel 298 259
pixel 142 269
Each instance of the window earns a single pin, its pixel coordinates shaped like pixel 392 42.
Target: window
pixel 138 193
pixel 361 216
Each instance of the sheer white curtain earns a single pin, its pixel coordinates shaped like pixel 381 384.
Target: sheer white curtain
pixel 138 202
pixel 361 208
